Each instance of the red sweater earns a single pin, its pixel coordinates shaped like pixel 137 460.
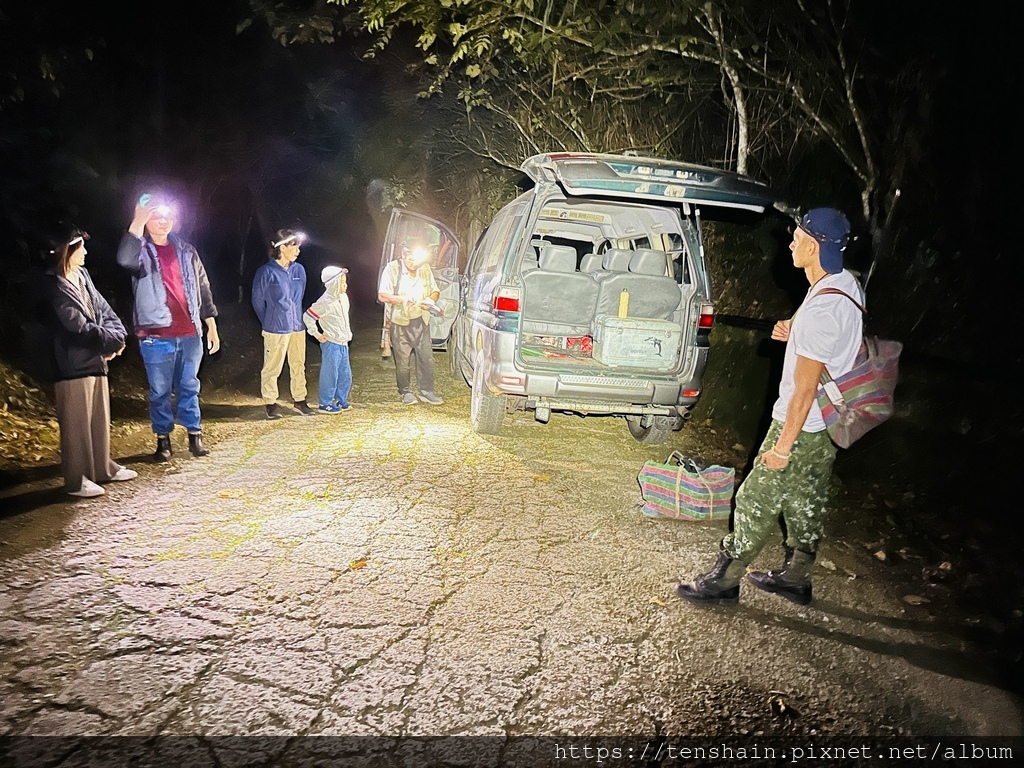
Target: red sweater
pixel 181 321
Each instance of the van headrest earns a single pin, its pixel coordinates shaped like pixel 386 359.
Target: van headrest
pixel 646 261
pixel 617 260
pixel 558 258
pixel 591 262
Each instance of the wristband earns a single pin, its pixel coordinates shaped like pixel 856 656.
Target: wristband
pixel 784 456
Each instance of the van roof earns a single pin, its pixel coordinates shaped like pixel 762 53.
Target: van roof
pixel 624 176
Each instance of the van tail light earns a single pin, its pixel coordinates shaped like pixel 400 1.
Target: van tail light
pixel 506 300
pixel 707 317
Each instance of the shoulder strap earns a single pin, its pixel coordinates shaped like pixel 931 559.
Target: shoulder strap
pixel 396 276
pixel 835 291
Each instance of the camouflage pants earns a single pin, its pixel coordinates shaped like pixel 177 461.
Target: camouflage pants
pixel 799 493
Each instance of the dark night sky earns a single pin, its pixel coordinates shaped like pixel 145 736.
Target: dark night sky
pixel 172 91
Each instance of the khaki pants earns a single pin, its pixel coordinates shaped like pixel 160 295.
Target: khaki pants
pixel 83 412
pixel 276 347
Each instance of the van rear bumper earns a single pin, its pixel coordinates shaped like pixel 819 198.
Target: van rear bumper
pixel 599 407
pixel 599 393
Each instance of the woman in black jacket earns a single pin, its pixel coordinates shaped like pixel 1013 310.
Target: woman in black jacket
pixel 86 334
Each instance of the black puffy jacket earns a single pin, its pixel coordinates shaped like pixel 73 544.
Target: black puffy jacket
pixel 81 336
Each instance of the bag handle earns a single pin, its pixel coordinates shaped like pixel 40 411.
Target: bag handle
pixel 680 460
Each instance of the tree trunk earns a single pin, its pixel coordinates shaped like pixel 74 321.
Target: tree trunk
pixel 739 99
pixel 742 118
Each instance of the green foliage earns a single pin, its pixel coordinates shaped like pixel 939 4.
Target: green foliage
pixel 739 83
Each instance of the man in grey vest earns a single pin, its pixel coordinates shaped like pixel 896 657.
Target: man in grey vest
pixel 408 288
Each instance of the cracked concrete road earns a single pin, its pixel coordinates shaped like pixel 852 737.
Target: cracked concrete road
pixel 390 572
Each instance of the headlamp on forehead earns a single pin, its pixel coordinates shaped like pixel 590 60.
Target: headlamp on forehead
pixel 76 238
pixel 418 253
pixel 295 238
pixel 163 207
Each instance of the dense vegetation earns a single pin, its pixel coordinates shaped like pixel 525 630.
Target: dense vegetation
pixel 327 113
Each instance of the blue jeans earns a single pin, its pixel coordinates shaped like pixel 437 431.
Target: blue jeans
pixel 172 367
pixel 335 374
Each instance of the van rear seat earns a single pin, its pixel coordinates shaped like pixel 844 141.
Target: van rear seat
pixel 652 294
pixel 593 264
pixel 658 295
pixel 617 260
pixel 558 300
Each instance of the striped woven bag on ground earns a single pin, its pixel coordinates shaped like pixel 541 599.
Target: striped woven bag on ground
pixel 682 489
pixel 860 400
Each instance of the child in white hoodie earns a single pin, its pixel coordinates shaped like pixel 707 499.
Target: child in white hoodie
pixel 327 321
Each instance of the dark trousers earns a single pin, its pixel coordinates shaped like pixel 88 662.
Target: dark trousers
pixel 409 340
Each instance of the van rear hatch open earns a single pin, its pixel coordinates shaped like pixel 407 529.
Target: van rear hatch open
pixel 596 175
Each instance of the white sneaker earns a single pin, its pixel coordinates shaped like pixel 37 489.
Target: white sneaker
pixel 124 474
pixel 88 489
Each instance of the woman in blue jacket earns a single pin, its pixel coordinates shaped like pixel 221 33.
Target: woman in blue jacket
pixel 86 335
pixel 277 294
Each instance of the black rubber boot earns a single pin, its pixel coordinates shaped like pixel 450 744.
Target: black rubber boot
pixel 719 586
pixel 163 448
pixel 195 444
pixel 792 581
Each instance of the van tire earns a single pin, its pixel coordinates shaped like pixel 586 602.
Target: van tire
pixel 658 432
pixel 486 411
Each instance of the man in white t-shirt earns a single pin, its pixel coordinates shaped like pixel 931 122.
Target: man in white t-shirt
pixel 793 470
pixel 408 288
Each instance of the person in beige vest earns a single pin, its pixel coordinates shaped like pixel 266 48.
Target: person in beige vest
pixel 408 289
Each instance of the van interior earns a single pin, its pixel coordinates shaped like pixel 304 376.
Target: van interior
pixel 602 282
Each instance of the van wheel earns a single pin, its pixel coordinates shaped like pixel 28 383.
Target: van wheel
pixel 486 411
pixel 661 427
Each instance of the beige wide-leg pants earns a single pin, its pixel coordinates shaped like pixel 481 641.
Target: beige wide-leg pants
pixel 277 347
pixel 83 412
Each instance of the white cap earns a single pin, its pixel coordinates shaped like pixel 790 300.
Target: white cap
pixel 330 273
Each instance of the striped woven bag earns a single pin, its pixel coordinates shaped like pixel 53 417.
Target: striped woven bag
pixel 682 490
pixel 861 399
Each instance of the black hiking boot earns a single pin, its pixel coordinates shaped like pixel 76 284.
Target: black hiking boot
pixel 719 586
pixel 792 581
pixel 195 444
pixel 163 448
